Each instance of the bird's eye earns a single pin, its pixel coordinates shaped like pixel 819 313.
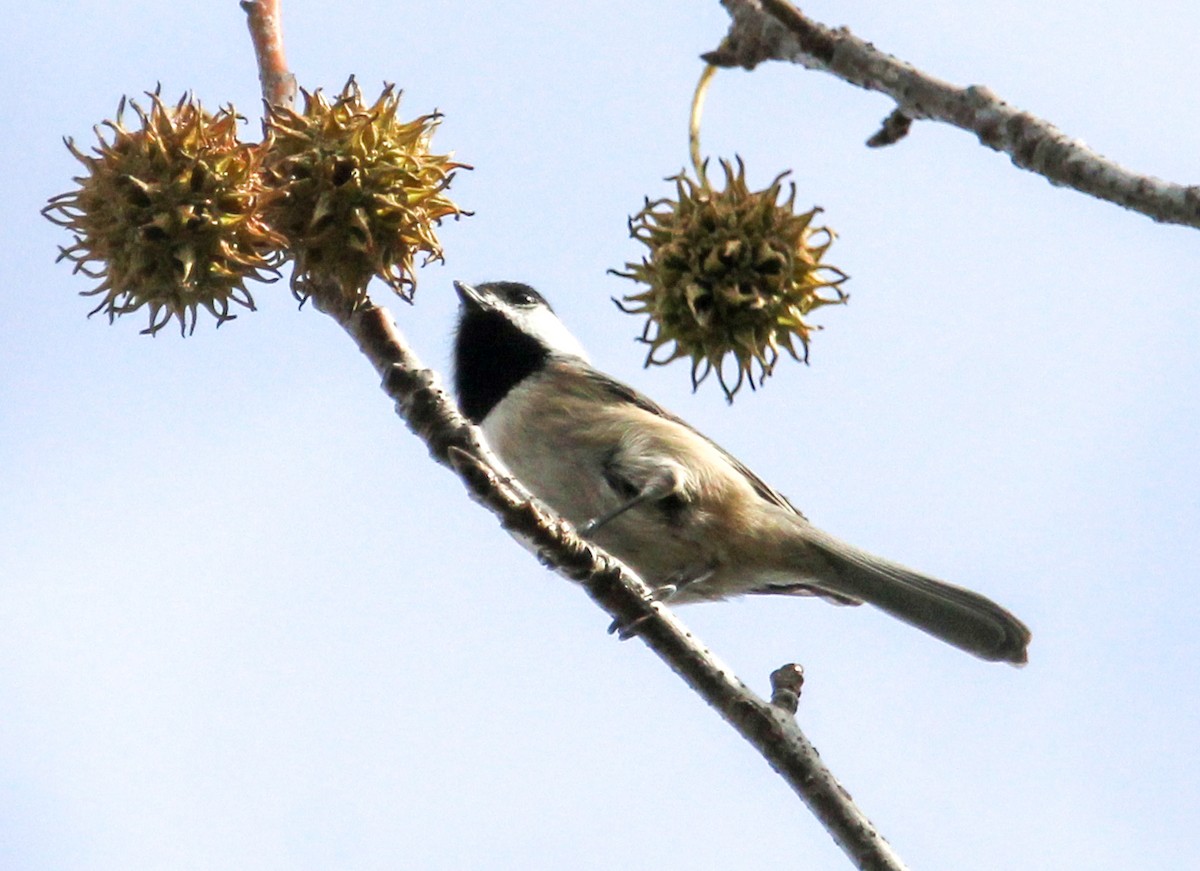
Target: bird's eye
pixel 523 297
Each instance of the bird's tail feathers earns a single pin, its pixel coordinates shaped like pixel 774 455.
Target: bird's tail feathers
pixel 956 615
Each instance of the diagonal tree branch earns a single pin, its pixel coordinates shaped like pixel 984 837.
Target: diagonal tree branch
pixel 431 414
pixel 776 30
pixel 770 728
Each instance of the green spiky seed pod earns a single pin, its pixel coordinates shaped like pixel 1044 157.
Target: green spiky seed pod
pixel 360 192
pixel 729 272
pixel 168 215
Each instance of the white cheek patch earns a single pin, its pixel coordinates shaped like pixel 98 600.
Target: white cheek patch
pixel 545 325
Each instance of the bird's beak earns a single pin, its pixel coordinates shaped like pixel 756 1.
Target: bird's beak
pixel 469 296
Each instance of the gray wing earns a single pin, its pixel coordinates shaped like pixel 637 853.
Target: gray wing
pixel 625 393
pixel 954 614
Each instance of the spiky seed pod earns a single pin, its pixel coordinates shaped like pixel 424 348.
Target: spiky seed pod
pixel 168 215
pixel 729 272
pixel 360 191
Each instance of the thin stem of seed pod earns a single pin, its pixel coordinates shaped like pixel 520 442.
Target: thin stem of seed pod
pixel 265 21
pixel 710 70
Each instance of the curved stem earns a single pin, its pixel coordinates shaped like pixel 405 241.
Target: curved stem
pixel 710 70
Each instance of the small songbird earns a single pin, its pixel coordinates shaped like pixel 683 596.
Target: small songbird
pixel 690 519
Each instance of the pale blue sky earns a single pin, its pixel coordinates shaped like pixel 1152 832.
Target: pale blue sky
pixel 245 623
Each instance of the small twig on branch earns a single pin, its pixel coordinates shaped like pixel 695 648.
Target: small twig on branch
pixel 786 683
pixel 895 127
pixel 776 30
pixel 266 30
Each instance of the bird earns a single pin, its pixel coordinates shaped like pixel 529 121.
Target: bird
pixel 691 520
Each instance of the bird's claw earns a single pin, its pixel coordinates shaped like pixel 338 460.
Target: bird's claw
pixel 625 631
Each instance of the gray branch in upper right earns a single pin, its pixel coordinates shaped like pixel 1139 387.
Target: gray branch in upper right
pixel 776 30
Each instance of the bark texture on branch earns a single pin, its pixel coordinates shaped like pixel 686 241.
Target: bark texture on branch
pixel 431 414
pixel 428 410
pixel 764 30
pixel 266 31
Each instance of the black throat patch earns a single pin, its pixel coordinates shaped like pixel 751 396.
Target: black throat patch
pixel 491 357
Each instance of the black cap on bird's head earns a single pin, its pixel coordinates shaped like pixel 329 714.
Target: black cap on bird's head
pixel 498 294
pixel 506 332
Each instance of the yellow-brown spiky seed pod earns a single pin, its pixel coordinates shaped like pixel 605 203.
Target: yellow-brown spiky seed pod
pixel 730 271
pixel 169 215
pixel 360 192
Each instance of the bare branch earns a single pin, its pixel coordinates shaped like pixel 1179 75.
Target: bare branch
pixel 266 31
pixel 776 30
pixel 432 415
pixel 786 683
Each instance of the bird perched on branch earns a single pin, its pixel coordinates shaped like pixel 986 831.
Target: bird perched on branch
pixel 679 510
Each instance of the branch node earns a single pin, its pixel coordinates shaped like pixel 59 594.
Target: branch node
pixel 721 56
pixel 895 127
pixel 786 682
